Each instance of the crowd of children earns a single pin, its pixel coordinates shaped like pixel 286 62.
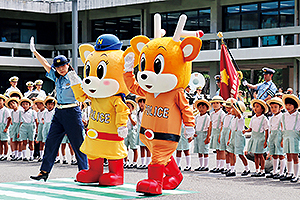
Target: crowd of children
pixel 25 122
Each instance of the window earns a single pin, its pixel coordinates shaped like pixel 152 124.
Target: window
pixel 258 16
pixel 196 20
pixel 124 28
pixel 68 32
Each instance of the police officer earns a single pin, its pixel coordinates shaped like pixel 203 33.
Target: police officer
pixel 218 82
pixel 267 89
pixel 13 82
pixel 67 118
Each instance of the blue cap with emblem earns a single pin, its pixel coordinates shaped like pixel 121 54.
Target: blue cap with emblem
pixel 60 61
pixel 107 42
pixel 217 78
pixel 268 70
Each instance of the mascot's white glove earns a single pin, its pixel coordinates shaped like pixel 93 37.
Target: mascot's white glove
pixel 123 131
pixel 189 132
pixel 32 48
pixel 129 62
pixel 74 78
pixel 245 83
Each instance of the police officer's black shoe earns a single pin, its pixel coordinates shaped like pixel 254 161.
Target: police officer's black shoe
pixel 41 175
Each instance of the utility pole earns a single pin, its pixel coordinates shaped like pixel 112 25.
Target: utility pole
pixel 74 35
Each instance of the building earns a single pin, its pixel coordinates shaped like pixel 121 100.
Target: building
pixel 259 33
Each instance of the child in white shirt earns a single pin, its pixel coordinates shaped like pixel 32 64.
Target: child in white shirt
pixel 201 138
pixel 5 121
pixel 28 120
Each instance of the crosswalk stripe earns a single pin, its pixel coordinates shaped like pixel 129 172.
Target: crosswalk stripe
pixel 23 195
pixel 66 188
pixel 56 191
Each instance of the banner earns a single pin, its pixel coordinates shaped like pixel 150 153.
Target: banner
pixel 229 77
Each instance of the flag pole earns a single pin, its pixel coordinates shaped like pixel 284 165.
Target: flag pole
pixel 220 35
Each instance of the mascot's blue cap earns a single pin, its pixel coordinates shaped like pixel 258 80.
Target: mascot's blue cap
pixel 107 42
pixel 60 61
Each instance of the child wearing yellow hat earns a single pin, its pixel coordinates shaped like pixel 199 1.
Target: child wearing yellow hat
pixel 259 126
pixel 5 120
pixel 216 118
pixel 291 137
pixel 201 140
pixel 275 149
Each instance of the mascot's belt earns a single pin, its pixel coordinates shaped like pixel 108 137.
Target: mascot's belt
pixel 150 135
pixel 93 134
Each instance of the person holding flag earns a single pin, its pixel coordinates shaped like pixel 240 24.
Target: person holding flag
pixel 267 89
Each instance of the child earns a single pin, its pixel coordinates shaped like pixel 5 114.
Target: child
pixel 64 143
pixel 275 149
pixel 5 121
pixel 13 103
pixel 131 138
pixel 40 116
pixel 237 140
pixel 183 145
pixel 214 131
pixel 224 136
pixel 201 141
pixel 50 103
pixel 144 150
pixel 28 118
pixel 290 134
pixel 259 126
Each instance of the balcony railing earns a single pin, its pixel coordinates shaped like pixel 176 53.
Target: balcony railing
pixel 210 41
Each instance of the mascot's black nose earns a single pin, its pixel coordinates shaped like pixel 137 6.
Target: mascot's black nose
pixel 144 76
pixel 87 81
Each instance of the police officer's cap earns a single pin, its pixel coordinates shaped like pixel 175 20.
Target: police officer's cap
pixel 29 83
pixel 107 42
pixel 14 79
pixel 218 78
pixel 268 70
pixel 60 61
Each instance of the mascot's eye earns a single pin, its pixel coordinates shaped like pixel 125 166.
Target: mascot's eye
pixel 87 68
pixel 101 70
pixel 159 64
pixel 143 62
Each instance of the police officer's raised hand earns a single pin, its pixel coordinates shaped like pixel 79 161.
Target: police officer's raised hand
pixel 74 78
pixel 32 48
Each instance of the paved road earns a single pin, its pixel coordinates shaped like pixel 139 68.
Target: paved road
pixel 204 185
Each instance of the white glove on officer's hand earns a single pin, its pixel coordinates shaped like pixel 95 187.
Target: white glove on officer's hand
pixel 129 62
pixel 189 132
pixel 32 48
pixel 123 131
pixel 74 78
pixel 245 83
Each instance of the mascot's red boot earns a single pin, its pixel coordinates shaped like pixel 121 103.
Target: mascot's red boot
pixel 152 185
pixel 173 176
pixel 115 175
pixel 94 172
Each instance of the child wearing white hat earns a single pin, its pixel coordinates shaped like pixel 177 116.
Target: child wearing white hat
pixel 275 149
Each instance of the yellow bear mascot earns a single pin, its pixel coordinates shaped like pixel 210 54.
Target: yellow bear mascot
pixel 164 72
pixel 104 85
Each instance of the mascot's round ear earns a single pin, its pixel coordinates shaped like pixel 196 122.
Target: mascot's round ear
pixel 85 50
pixel 191 48
pixel 138 42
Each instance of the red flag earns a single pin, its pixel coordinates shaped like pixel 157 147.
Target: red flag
pixel 229 76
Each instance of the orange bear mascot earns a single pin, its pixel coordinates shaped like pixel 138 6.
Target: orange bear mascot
pixel 104 85
pixel 164 72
